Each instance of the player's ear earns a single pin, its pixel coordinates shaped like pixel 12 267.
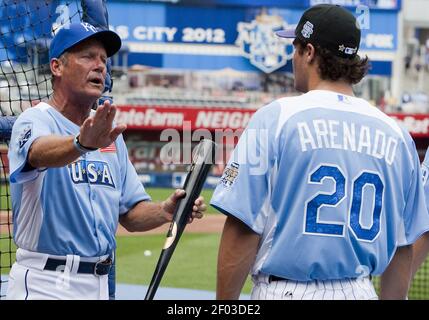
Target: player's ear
pixel 310 53
pixel 55 67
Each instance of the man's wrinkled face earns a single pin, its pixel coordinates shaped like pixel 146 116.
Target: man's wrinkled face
pixel 83 69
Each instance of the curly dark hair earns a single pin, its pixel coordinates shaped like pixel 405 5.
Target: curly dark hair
pixel 336 68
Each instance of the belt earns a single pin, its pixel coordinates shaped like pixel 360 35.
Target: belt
pixel 275 278
pixel 99 268
pixel 272 277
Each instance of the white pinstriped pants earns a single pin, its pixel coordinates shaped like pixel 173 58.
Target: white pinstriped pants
pixel 347 289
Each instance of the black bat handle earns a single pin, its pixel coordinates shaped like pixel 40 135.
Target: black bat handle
pixel 201 164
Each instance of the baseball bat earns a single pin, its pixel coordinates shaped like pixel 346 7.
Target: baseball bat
pixel 202 160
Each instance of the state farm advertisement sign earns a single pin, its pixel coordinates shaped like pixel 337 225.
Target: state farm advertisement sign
pixel 416 124
pixel 143 117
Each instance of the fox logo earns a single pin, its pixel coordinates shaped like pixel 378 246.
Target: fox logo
pixel 92 172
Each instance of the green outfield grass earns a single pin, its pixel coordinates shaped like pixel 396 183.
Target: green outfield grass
pixel 5 201
pixel 193 264
pixel 157 194
pixel 7 253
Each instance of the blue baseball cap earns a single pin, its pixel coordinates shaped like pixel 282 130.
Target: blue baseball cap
pixel 74 33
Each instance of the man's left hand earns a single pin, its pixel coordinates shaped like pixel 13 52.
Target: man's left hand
pixel 170 204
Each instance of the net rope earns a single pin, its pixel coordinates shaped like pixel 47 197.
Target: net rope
pixel 26 29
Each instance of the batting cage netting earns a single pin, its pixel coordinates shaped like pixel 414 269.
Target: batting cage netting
pixel 26 29
pixel 7 248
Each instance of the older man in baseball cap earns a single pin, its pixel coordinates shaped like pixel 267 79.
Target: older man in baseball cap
pixel 72 34
pixel 71 179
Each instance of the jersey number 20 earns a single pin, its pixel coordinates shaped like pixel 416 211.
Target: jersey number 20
pixel 313 225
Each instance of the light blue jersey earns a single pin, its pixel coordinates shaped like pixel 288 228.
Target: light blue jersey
pixel 332 185
pixel 73 209
pixel 425 173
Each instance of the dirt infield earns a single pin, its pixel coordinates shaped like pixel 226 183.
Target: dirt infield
pixel 210 223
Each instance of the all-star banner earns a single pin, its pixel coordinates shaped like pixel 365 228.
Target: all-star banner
pixel 372 4
pixel 212 37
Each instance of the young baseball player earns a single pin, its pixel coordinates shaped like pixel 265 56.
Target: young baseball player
pixel 421 247
pixel 71 179
pixel 322 190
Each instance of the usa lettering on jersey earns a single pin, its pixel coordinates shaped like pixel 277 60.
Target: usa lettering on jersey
pixel 92 172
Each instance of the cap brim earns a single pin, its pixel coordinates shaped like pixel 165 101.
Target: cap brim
pixel 287 33
pixel 111 41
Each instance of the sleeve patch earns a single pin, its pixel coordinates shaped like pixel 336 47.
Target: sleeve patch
pixel 25 135
pixel 230 174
